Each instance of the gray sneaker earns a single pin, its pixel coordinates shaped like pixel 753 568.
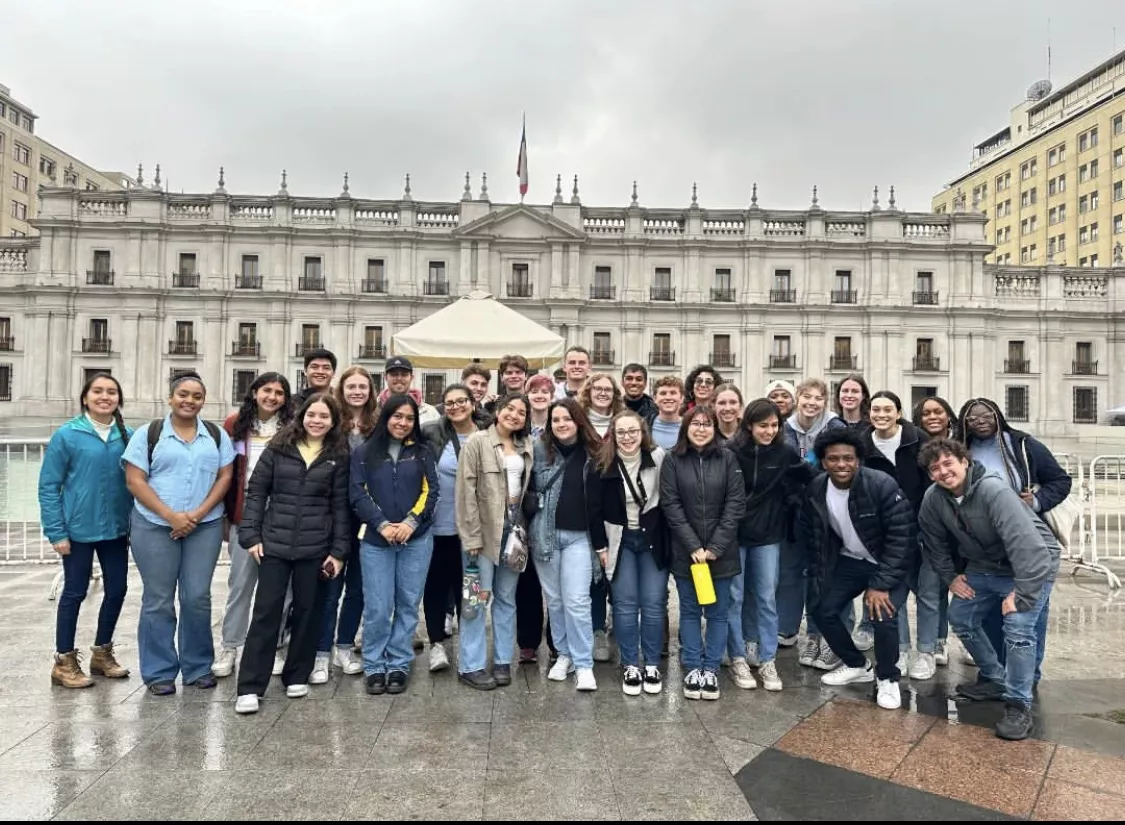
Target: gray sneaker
pixel 601 646
pixel 810 649
pixel 825 658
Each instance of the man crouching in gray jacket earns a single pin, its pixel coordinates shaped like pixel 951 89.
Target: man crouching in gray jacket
pixel 974 521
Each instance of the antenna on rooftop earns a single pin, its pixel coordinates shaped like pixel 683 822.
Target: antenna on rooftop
pixel 1048 49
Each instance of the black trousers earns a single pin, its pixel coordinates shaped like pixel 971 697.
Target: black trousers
pixel 530 623
pixel 309 593
pixel 444 577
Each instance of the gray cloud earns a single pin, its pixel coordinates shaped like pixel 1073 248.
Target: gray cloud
pixel 844 95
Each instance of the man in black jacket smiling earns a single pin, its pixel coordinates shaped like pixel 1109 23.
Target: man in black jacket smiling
pixel 861 530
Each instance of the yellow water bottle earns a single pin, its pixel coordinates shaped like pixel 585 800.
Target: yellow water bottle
pixel 704 587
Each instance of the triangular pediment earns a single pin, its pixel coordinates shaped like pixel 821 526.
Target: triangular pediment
pixel 519 222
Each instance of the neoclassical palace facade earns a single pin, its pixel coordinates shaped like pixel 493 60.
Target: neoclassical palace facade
pixel 145 283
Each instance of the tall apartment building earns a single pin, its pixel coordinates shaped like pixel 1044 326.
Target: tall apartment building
pixel 1052 182
pixel 145 283
pixel 28 161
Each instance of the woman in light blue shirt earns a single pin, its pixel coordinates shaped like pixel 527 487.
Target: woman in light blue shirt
pixel 178 470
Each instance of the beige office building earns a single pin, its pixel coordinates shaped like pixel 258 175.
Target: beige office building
pixel 27 161
pixel 1052 182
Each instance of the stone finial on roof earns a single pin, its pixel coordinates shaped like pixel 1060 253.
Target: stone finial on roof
pixel 467 193
pixel 574 193
pixel 754 196
pixel 695 194
pixel 406 196
pixel 558 189
pixel 222 182
pixel 140 175
pixel 875 207
pixel 156 179
pixel 284 190
pixel 634 201
pixel 815 198
pixel 484 186
pixel 891 200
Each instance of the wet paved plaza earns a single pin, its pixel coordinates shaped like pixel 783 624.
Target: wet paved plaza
pixel 538 750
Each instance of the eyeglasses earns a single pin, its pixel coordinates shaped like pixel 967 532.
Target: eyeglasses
pixel 458 402
pixel 627 433
pixel 704 382
pixel 602 390
pixel 702 425
pixel 987 418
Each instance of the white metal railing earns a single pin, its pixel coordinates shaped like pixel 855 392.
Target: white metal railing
pixel 21 538
pixel 1103 514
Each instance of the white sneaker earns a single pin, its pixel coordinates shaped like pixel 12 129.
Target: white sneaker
pixel 770 679
pixel 585 679
pixel 740 674
pixel 941 655
pixel 345 659
pixel 278 662
pixel 888 695
pixel 903 662
pixel 752 657
pixel 810 649
pixel 826 658
pixel 562 668
pixel 224 663
pixel 246 704
pixel 654 682
pixel 438 658
pixel 320 669
pixel 923 667
pixel 844 675
pixel 297 691
pixel 864 639
pixel 450 624
pixel 693 684
pixel 601 646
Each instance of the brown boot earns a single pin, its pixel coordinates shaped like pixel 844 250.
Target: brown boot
pixel 103 663
pixel 68 673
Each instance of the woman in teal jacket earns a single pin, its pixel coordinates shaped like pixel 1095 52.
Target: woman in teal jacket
pixel 84 507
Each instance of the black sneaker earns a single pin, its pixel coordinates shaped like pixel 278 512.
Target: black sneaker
pixel 693 684
pixel 654 683
pixel 205 682
pixel 396 682
pixel 1016 724
pixel 477 680
pixel 982 690
pixel 631 680
pixel 709 685
pixel 502 674
pixel 377 684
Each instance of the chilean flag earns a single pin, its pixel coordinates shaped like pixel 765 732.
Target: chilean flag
pixel 521 162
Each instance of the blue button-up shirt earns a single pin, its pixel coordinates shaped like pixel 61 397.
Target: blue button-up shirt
pixel 182 472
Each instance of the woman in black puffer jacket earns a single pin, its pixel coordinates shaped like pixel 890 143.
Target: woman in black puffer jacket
pixel 703 498
pixel 296 524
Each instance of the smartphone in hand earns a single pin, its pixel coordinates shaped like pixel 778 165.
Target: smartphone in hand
pixel 326 569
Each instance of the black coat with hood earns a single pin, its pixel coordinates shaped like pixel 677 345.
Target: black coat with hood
pixel 703 499
pixel 912 478
pixel 774 476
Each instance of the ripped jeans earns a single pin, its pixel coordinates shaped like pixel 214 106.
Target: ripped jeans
pixel 967 616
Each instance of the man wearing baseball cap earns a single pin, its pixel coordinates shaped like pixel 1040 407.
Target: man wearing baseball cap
pixel 397 376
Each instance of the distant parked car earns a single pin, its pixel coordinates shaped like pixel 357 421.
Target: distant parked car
pixel 1115 417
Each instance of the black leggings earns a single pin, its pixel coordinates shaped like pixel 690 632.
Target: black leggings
pixel 530 624
pixel 443 578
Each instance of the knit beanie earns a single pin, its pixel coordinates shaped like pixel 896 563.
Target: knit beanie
pixel 782 385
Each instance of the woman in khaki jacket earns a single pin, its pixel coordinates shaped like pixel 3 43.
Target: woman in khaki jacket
pixel 492 476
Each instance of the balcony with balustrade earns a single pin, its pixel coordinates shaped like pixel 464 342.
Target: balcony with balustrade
pixel 722 295
pixel 245 349
pixel 99 345
pixel 372 352
pixel 8 344
pixel 1017 366
pixel 603 292
pixel 185 280
pixel 662 293
pixel 519 289
pixel 247 281
pixel 721 358
pixel 1084 367
pixel 927 363
pixel 373 286
pixel 99 277
pixel 783 296
pixel 184 347
pixel 311 283
pixel 925 298
pixel 844 296
pixel 435 287
pixel 783 362
pixel 305 347
pixel 843 363
pixel 662 358
pixel 602 357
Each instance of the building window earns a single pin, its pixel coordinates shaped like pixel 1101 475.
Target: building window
pixel 1057 155
pixel 1029 225
pixel 1056 214
pixel 99 340
pixel 91 186
pixel 250 277
pixel 520 284
pixel 723 290
pixel 602 353
pixel 1119 159
pixel 46 167
pixel 920 394
pixel 1029 197
pixel 1118 191
pixel 661 355
pixel 247 343
pixel 783 292
pixel 1017 362
pixel 1056 185
pixel 1119 124
pixel 1028 169
pixel 602 288
pixel 1088 140
pixel 310 338
pixel 781 353
pixel 1085 405
pixel 1118 224
pixel 313 279
pixel 187 268
pixel 842 358
pixel 1004 181
pixel 1016 405
pixel 372 346
pixel 5 382
pixel 19 182
pixel 433 386
pixel 21 154
pixel 102 261
pixel 1084 363
pixel 662 289
pixel 842 292
pixel 376 279
pixel 436 283
pixel 924 292
pixel 721 355
pixel 184 342
pixel 19 210
pixel 924 358
pixel 241 384
pixel 1093 260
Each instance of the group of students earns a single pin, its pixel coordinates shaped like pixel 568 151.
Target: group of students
pixel 344 507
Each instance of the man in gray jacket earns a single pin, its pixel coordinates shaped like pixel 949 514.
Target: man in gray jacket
pixel 989 547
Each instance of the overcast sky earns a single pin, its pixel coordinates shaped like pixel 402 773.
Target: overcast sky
pixel 844 94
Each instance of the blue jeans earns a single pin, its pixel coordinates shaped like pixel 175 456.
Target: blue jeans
pixel 1021 634
pixel 165 565
pixel 753 602
pixel 566 587
pixel 790 592
pixel 695 653
pixel 349 584
pixel 78 565
pixel 501 581
pixel 639 587
pixel 393 578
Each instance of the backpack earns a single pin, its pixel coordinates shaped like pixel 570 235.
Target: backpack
pixel 156 425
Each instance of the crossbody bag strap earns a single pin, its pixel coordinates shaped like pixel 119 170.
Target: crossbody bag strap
pixel 640 499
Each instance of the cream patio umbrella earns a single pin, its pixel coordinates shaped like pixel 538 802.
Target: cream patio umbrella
pixel 477 328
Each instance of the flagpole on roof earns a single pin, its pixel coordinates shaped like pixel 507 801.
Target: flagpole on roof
pixel 521 162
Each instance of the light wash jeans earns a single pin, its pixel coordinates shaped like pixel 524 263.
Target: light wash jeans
pixel 501 581
pixel 695 654
pixel 1021 636
pixel 167 565
pixel 931 599
pixel 242 579
pixel 753 602
pixel 393 578
pixel 639 587
pixel 566 587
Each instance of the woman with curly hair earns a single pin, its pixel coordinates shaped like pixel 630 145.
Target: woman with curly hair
pixel 699 388
pixel 601 399
pixel 265 410
pixel 296 526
